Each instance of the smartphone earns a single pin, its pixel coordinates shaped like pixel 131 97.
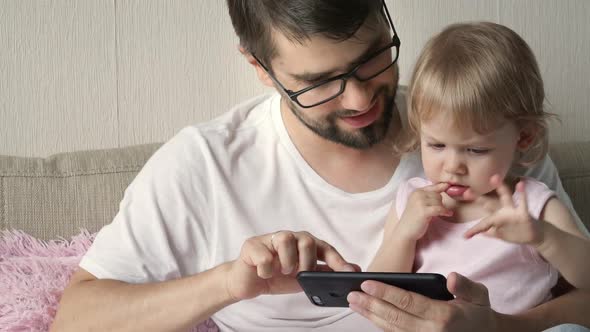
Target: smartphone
pixel 329 289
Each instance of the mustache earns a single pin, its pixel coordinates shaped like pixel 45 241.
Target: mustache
pixel 382 91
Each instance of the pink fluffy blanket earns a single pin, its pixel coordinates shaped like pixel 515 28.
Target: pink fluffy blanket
pixel 33 275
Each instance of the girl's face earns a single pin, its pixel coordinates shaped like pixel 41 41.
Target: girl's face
pixel 464 158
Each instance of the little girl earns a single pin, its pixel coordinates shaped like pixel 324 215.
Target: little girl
pixel 475 110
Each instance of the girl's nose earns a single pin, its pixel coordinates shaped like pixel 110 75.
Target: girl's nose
pixel 454 164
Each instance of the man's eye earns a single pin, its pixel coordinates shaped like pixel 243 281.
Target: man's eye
pixel 314 81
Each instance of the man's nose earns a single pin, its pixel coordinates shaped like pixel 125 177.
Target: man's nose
pixel 357 95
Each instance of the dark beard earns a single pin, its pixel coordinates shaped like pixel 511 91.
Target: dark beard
pixel 363 138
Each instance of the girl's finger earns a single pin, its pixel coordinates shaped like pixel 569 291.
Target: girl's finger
pixel 437 188
pixel 436 199
pixel 495 180
pixel 505 195
pixel 493 232
pixel 488 203
pixel 522 200
pixel 470 195
pixel 480 227
pixel 435 211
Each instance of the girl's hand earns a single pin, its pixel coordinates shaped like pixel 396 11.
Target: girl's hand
pixel 509 222
pixel 423 205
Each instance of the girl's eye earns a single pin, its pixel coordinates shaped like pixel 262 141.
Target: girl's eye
pixel 436 146
pixel 479 151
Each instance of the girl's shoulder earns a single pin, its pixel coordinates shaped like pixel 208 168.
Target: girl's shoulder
pixel 534 187
pixel 537 193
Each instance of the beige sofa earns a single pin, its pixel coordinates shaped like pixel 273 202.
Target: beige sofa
pixel 59 195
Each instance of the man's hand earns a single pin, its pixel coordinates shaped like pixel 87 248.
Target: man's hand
pixel 423 205
pixel 509 222
pixel 269 263
pixel 395 309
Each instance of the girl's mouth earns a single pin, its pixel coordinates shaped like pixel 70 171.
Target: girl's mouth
pixel 455 190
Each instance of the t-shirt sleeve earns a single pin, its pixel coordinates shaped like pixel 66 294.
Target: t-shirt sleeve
pixel 160 219
pixel 546 172
pixel 537 194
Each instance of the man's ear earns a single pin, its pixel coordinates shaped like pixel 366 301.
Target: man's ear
pixel 260 72
pixel 527 136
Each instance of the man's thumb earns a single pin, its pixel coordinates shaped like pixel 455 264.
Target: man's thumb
pixel 468 290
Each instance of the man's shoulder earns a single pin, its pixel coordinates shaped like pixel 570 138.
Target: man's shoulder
pixel 410 166
pixel 201 151
pixel 214 139
pixel 244 116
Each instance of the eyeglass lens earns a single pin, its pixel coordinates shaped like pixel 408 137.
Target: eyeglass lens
pixel 368 70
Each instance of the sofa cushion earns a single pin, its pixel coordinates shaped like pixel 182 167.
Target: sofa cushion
pixel 59 195
pixel 573 162
pixel 33 275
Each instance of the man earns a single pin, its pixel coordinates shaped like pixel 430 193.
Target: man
pixel 223 216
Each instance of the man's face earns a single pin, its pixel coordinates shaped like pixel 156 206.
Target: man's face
pixel 359 117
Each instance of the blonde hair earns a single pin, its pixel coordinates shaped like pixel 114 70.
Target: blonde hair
pixel 480 73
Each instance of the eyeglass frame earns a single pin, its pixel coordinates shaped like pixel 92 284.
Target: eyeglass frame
pixel 395 42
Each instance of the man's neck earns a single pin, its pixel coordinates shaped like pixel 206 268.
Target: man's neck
pixel 352 170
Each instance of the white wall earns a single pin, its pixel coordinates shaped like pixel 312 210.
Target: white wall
pixel 88 74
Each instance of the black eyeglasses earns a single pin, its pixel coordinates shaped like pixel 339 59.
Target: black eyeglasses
pixel 373 65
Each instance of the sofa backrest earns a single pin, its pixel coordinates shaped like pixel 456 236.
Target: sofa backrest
pixel 572 160
pixel 61 194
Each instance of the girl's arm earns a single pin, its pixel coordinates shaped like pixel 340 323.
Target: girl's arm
pixel 555 235
pixel 563 245
pixel 398 247
pixel 395 253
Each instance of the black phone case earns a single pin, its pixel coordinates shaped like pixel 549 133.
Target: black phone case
pixel 329 289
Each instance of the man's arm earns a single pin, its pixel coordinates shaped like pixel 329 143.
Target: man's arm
pixel 109 305
pixel 395 309
pixel 570 308
pixel 267 264
pixel 120 286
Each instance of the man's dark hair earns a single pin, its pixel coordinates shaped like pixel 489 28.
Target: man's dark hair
pixel 298 20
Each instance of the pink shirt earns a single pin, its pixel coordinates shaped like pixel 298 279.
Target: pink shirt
pixel 516 276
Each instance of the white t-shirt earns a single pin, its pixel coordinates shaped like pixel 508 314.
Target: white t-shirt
pixel 213 185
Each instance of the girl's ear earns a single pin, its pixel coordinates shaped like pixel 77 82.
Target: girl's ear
pixel 260 72
pixel 526 137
